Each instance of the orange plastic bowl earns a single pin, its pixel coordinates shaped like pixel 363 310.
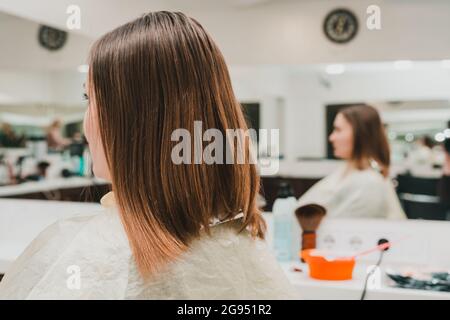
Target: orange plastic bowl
pixel 323 269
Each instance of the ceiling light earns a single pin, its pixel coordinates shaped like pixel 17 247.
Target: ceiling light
pixel 335 69
pixel 83 68
pixel 445 64
pixel 403 64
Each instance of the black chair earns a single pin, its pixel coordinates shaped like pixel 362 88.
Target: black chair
pixel 417 185
pixel 419 198
pixel 424 207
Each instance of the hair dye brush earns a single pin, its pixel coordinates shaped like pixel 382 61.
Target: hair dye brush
pixel 309 217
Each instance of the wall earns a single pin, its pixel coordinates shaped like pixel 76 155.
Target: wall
pixel 275 32
pixel 40 87
pixel 20 49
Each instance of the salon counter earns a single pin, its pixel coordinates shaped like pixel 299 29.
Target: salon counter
pixel 417 245
pixel 65 189
pixel 311 289
pixel 319 168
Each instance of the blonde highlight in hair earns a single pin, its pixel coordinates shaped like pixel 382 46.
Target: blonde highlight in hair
pixel 149 77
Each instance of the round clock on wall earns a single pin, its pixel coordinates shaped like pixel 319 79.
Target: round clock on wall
pixel 340 25
pixel 51 38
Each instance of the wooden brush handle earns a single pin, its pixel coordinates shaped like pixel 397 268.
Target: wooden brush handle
pixel 308 240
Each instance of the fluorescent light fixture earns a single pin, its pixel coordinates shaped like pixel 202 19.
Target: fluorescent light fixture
pixel 445 64
pixel 439 137
pixel 409 137
pixel 83 68
pixel 5 98
pixel 447 133
pixel 335 69
pixel 403 64
pixel 392 135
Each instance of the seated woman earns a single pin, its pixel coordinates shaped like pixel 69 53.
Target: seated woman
pixel 361 188
pixel 168 231
pixel 55 140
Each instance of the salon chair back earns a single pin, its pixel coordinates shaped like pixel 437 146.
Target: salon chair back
pixel 419 198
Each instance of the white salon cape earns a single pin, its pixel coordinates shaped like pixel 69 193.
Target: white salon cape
pixel 88 257
pixel 355 194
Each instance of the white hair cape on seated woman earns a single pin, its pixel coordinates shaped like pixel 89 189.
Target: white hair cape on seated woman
pixel 88 257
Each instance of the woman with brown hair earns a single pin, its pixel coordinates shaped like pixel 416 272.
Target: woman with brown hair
pixel 170 230
pixel 55 140
pixel 361 188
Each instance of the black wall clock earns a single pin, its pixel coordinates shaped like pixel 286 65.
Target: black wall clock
pixel 51 38
pixel 340 26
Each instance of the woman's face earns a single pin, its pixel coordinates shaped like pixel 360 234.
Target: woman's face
pixel 92 133
pixel 342 138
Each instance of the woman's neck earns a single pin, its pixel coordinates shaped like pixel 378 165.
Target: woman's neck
pixel 357 165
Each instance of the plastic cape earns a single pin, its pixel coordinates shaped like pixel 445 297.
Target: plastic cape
pixel 88 257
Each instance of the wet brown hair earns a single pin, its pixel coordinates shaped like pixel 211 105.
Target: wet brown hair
pixel 369 137
pixel 153 75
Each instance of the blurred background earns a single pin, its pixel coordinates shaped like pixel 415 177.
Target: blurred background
pixel 291 69
pixel 294 64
